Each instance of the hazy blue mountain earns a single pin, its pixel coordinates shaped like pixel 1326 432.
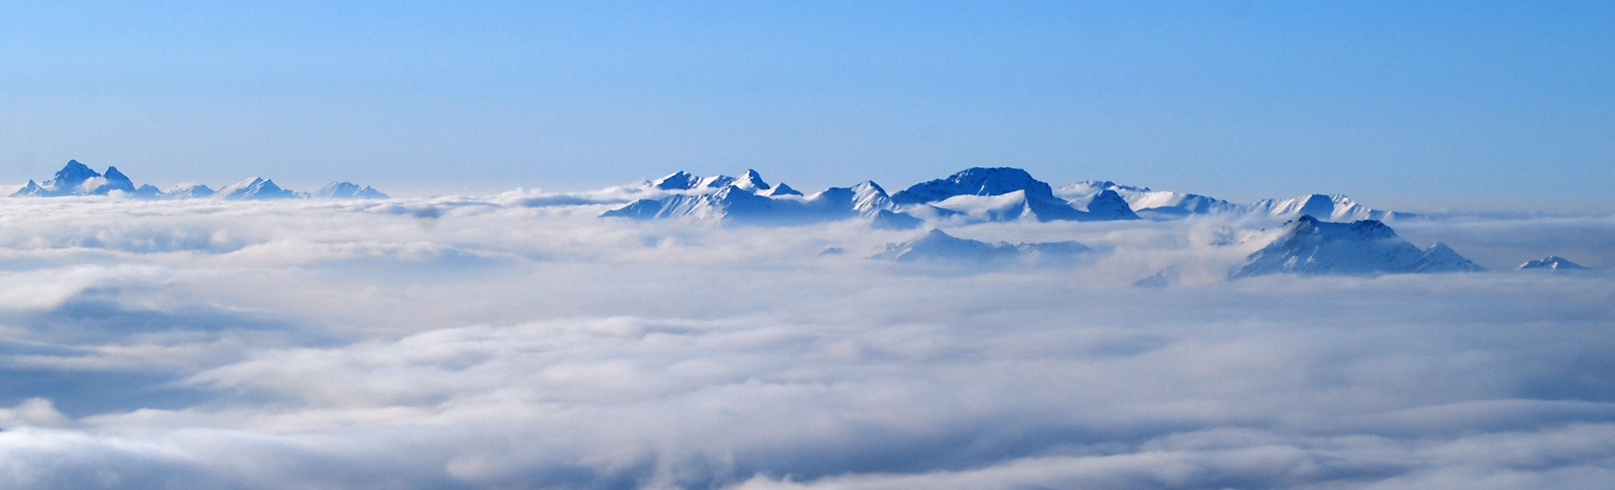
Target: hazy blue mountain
pixel 348 190
pixel 938 245
pixel 254 189
pixel 1552 263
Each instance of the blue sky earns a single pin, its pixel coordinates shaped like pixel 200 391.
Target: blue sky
pixel 1478 105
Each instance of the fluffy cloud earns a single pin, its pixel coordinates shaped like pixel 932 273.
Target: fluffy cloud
pixel 517 341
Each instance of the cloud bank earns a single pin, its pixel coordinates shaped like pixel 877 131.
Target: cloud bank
pixel 517 341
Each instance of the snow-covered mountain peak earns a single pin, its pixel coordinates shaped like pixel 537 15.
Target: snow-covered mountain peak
pixel 1313 205
pixel 1109 205
pixel 714 182
pixel 1334 207
pixel 71 176
pixel 751 181
pixel 1367 229
pixel 869 197
pixel 348 190
pixel 938 245
pixel 1160 205
pixel 781 190
pixel 115 181
pixel 1364 247
pixel 677 181
pixel 684 181
pixel 1551 263
pixel 958 199
pixel 977 181
pixel 966 190
pixel 254 188
pixel 1441 258
pixel 1091 187
pixel 1146 202
pixel 78 179
pixel 188 191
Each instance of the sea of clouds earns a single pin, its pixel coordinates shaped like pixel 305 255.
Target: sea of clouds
pixel 518 341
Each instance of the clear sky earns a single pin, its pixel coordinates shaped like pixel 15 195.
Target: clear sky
pixel 1423 106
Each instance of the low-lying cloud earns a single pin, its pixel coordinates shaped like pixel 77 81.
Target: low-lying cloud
pixel 518 341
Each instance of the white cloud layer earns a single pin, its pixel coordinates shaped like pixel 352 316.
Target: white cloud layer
pixel 517 341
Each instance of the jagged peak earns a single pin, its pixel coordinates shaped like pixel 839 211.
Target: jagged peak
pixel 74 168
pixel 249 181
pixel 751 181
pixel 679 180
pixel 714 182
pixel 254 188
pixel 868 186
pixel 1109 203
pixel 112 173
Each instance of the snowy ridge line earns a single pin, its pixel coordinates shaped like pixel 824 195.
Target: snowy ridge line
pixel 1169 204
pixel 77 179
pixel 973 195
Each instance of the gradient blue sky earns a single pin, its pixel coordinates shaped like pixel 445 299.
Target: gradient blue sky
pixel 1480 105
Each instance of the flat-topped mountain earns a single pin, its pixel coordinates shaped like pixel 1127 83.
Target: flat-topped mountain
pixel 996 194
pixel 1551 263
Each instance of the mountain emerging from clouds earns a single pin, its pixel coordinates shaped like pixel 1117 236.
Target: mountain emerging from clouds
pixel 1005 193
pixel 970 196
pixel 751 200
pixel 973 195
pixel 1163 205
pixel 1325 234
pixel 939 246
pixel 1552 263
pixel 1309 246
pixel 78 179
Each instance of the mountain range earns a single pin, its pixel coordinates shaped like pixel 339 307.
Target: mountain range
pixel 972 195
pixel 1163 205
pixel 1324 234
pixel 77 179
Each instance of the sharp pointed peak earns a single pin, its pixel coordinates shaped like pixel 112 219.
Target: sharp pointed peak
pixel 750 180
